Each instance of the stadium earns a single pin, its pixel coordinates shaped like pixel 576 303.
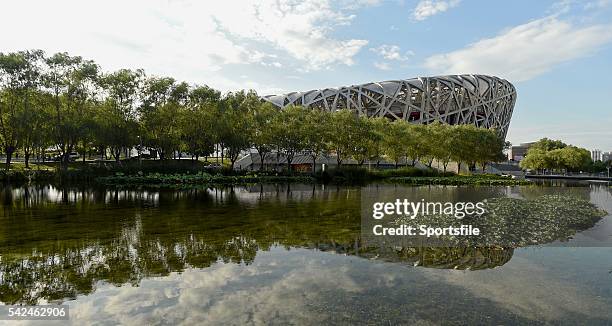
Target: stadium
pixel 484 101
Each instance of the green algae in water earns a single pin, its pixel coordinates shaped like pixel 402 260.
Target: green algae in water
pixel 511 222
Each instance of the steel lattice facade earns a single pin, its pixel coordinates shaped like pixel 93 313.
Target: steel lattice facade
pixel 484 101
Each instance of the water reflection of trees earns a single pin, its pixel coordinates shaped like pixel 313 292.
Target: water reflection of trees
pixel 59 242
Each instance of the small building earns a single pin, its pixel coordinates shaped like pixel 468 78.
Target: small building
pixel 303 163
pixel 518 153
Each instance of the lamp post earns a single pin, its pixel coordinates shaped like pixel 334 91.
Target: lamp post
pixel 139 151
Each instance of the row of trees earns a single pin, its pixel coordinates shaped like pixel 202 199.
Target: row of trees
pixel 67 103
pixel 547 154
pixel 297 129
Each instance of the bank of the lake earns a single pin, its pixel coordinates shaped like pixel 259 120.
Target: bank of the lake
pixel 172 180
pixel 187 173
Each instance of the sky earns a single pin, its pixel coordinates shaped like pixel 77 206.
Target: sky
pixel 557 53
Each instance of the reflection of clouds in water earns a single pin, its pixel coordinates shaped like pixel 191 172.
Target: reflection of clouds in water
pixel 306 287
pixel 222 294
pixel 533 291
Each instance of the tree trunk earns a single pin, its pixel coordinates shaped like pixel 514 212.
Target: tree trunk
pixel 262 157
pixel 26 158
pixel 458 167
pixel 9 153
pixel 65 160
pixel 222 150
pixel 289 160
pixel 314 165
pixel 116 153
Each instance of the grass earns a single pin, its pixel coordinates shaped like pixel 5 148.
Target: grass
pixel 456 180
pixel 344 175
pixel 201 178
pixel 188 172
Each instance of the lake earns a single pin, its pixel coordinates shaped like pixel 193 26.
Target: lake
pixel 286 254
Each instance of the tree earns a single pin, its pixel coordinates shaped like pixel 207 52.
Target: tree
pixel 161 114
pixel 118 119
pixel 416 142
pixel 197 121
pixel 287 128
pixel 366 139
pixel 344 133
pixel 263 137
pixel 19 79
pixel 37 136
pixel 377 149
pixel 556 155
pixel 546 144
pixel 72 82
pixel 534 160
pixel 441 142
pixel 489 147
pixel 234 126
pixel 316 133
pixel 572 158
pixel 462 144
pixel 394 140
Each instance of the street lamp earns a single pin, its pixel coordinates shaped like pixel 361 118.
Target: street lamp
pixel 139 151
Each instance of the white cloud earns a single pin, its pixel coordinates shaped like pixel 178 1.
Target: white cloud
pixel 189 40
pixel 300 28
pixel 356 4
pixel 382 65
pixel 428 8
pixel 525 51
pixel 391 52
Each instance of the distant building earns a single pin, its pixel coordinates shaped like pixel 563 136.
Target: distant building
pixel 480 100
pixel 517 153
pixel 596 155
pixel 303 163
pixel 607 156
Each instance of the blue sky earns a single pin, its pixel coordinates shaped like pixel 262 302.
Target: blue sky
pixel 557 53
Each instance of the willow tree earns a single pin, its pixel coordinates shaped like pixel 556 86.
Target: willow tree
pixel 442 143
pixel 288 131
pixel 72 82
pixel 262 117
pixel 198 121
pixel 394 140
pixel 19 80
pixel 118 120
pixel 164 102
pixel 345 126
pixel 233 127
